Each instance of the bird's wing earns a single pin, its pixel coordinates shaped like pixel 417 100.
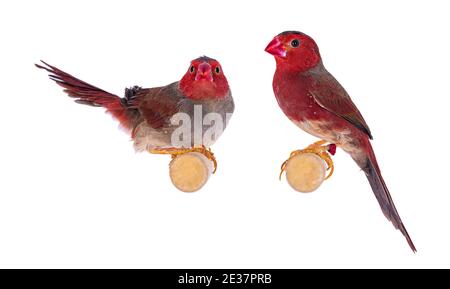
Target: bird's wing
pixel 330 95
pixel 157 105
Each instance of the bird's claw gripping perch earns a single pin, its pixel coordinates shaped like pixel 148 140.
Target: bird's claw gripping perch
pixel 179 151
pixel 318 148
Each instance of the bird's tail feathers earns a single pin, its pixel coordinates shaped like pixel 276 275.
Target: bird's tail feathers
pixel 383 196
pixel 85 93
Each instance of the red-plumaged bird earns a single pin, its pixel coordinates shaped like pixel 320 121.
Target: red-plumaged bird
pixel 146 112
pixel 315 101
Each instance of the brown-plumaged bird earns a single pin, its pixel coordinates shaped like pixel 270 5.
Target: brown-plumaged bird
pixel 146 113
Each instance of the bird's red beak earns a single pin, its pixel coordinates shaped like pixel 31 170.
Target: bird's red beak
pixel 276 48
pixel 204 72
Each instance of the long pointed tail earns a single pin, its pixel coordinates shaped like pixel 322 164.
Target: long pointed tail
pixel 86 93
pixel 383 196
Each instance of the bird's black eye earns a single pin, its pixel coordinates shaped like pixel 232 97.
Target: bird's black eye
pixel 217 70
pixel 295 43
pixel 192 69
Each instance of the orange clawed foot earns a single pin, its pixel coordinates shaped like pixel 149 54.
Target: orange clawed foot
pixel 179 151
pixel 320 149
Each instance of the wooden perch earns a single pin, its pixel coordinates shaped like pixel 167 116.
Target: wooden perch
pixel 305 172
pixel 190 171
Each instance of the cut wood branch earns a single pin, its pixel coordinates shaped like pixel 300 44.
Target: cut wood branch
pixel 189 172
pixel 305 172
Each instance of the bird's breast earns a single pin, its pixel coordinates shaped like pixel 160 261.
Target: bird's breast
pixel 293 97
pixel 292 94
pixel 196 123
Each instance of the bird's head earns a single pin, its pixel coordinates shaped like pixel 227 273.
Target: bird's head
pixel 204 80
pixel 294 51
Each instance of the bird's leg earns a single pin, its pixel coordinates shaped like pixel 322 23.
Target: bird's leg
pixel 179 151
pixel 320 149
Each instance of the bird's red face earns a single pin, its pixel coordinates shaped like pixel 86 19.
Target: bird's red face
pixel 294 51
pixel 204 80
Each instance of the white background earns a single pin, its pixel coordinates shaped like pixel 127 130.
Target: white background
pixel 73 193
